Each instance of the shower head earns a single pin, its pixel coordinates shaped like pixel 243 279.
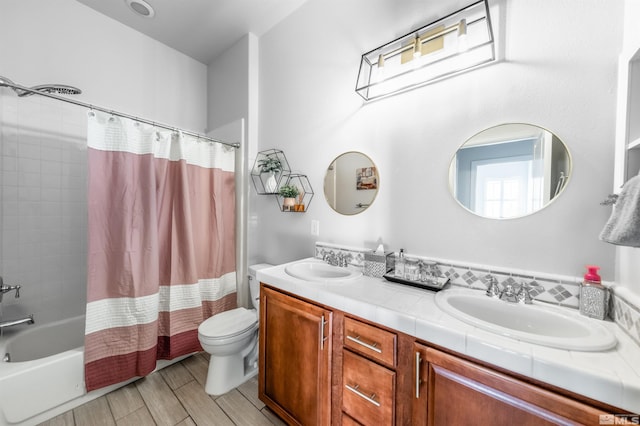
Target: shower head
pixel 5 82
pixel 60 89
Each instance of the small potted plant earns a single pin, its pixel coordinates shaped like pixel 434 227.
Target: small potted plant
pixel 289 193
pixel 270 164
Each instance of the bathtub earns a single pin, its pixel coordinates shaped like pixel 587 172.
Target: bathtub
pixel 45 376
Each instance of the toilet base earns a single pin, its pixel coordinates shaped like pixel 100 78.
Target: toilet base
pixel 228 372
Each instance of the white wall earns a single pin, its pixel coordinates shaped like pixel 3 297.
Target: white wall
pixel 232 96
pixel 43 142
pixel 558 71
pixel 228 91
pixel 115 66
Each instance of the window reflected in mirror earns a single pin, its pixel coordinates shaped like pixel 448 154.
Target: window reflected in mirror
pixel 351 183
pixel 509 171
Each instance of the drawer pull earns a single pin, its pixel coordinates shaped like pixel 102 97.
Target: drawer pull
pixel 322 336
pixel 371 398
pixel 418 381
pixel 366 345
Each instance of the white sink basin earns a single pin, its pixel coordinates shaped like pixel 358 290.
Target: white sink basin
pixel 316 270
pixel 543 325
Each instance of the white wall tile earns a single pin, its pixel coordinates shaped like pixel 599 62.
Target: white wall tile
pixel 43 215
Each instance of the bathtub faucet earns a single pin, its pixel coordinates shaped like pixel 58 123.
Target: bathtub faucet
pixel 7 288
pixel 11 323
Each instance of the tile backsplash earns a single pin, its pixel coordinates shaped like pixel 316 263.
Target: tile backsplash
pixel 627 316
pixel 555 289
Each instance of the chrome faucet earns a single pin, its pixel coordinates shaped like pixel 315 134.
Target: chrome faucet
pixel 7 288
pixel 517 294
pixel 508 294
pixel 330 258
pixel 26 320
pixel 337 259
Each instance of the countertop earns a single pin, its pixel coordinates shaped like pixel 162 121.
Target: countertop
pixel 611 376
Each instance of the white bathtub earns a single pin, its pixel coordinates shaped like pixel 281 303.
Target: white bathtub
pixel 46 374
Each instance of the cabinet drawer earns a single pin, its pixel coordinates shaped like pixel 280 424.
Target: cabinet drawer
pixel 348 421
pixel 371 341
pixel 368 390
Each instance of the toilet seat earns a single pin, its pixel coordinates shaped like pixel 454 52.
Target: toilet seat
pixel 228 324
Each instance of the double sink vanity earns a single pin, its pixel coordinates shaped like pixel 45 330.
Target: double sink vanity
pixel 339 347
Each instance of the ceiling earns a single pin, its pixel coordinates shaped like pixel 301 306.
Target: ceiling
pixel 201 29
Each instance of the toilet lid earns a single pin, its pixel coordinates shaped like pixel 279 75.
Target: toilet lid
pixel 228 323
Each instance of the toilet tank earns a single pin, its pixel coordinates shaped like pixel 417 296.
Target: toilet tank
pixel 254 285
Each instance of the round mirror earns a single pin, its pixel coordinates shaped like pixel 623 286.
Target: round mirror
pixel 351 183
pixel 510 170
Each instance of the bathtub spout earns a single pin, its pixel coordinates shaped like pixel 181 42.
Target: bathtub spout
pixel 25 320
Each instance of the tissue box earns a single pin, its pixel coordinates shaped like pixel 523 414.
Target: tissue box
pixel 378 264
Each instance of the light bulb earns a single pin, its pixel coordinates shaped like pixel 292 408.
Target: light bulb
pixel 462 36
pixel 380 70
pixel 417 47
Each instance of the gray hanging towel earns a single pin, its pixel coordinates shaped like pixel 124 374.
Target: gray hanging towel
pixel 623 227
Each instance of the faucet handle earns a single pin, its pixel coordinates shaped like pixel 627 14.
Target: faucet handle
pixel 524 295
pixel 493 290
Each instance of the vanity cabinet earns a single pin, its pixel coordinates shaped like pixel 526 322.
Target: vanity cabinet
pixel 453 391
pixel 321 366
pixel 295 358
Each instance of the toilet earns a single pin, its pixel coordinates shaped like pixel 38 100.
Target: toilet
pixel 231 338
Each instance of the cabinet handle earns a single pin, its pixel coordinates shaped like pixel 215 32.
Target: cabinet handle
pixel 322 338
pixel 418 381
pixel 370 399
pixel 366 345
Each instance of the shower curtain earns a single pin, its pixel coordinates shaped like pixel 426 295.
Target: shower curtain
pixel 161 249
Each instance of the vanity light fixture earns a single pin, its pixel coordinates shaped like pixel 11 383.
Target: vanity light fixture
pixel 456 43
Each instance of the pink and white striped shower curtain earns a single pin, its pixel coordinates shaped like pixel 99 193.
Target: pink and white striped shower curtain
pixel 161 249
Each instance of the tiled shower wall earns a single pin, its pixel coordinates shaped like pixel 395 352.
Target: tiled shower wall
pixel 43 211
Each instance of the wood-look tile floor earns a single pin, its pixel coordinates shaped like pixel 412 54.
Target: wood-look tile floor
pixel 173 396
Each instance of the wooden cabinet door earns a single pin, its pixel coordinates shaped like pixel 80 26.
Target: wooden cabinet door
pixel 295 358
pixel 459 392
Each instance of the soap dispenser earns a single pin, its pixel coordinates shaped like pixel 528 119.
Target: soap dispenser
pixel 594 297
pixel 399 268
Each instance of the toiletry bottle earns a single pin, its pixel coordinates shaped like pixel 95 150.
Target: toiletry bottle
pixel 399 272
pixel 411 269
pixel 594 297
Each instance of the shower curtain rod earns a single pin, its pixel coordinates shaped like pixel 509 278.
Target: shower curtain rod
pixel 14 86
